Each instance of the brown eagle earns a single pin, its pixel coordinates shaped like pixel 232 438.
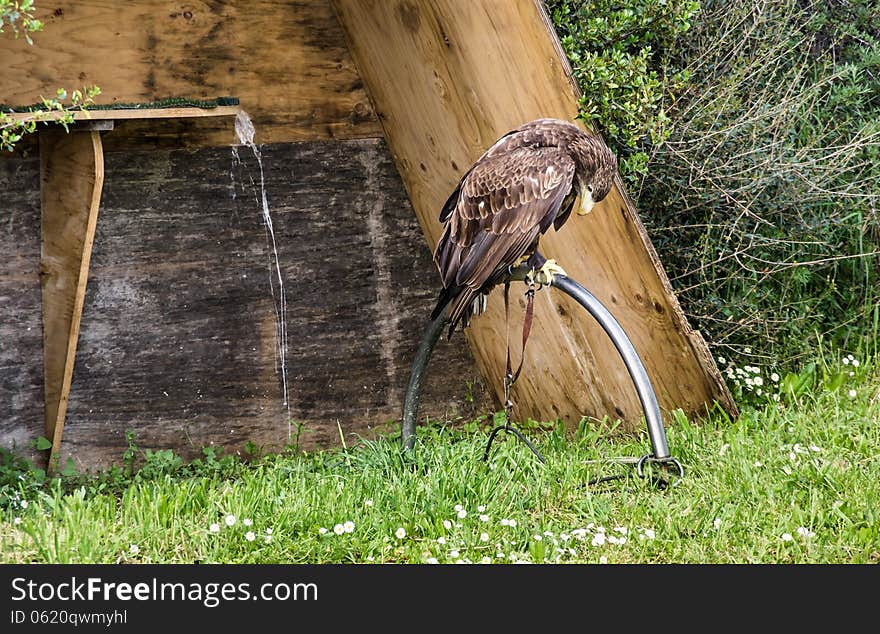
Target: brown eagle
pixel 526 182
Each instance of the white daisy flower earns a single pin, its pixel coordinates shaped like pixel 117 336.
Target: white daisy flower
pixel 786 537
pixel 250 536
pixel 348 527
pixel 447 524
pixel 230 520
pixel 339 529
pixel 246 521
pixel 134 549
pixel 803 531
pixel 214 528
pixel 400 533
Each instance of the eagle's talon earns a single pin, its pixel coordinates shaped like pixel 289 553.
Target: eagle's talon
pixel 544 276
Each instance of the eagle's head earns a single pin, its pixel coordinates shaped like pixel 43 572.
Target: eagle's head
pixel 596 166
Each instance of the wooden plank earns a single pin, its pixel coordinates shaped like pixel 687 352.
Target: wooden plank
pixel 72 174
pixel 447 79
pixel 286 61
pixel 133 113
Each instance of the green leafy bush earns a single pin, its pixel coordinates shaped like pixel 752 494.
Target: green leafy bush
pixel 619 54
pixel 763 200
pixel 751 137
pixel 18 15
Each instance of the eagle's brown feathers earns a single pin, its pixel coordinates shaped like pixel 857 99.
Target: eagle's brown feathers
pixel 523 184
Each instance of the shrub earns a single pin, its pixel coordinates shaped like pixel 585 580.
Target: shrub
pixel 761 191
pixel 619 57
pixel 763 199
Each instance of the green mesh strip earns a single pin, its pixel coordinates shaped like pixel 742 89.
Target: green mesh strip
pixel 171 102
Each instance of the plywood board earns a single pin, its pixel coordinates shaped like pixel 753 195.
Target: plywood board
pixel 447 79
pixel 286 62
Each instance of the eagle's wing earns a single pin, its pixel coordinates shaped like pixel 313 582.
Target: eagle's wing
pixel 503 204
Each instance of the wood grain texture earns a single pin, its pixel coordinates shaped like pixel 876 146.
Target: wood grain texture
pixel 71 178
pixel 286 62
pixel 447 79
pixel 177 340
pixel 21 333
pixel 133 113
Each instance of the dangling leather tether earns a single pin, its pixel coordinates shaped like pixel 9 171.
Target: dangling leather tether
pixel 510 376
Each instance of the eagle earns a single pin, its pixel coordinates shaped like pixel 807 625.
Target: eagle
pixel 525 183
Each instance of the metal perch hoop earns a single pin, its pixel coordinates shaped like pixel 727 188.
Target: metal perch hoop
pixel 613 329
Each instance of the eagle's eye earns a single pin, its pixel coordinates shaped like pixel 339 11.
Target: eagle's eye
pixel 590 188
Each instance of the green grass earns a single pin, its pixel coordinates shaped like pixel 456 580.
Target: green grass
pixel 808 462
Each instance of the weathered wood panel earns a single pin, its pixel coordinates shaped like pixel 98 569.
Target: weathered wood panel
pixel 178 335
pixel 447 79
pixel 286 61
pixel 21 332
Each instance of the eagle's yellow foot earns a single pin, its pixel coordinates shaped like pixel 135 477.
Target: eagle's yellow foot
pixel 544 276
pixel 518 263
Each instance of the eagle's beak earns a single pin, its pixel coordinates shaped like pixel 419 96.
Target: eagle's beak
pixel 587 202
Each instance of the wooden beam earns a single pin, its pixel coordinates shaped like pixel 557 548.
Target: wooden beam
pixel 447 79
pixel 119 114
pixel 72 176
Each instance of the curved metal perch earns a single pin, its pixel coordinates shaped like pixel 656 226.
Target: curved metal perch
pixel 630 358
pixel 624 346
